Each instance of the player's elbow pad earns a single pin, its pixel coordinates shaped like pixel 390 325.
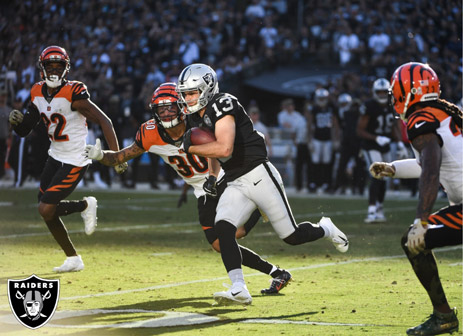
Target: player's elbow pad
pixel 406 169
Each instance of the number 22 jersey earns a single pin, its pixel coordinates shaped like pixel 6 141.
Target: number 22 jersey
pixel 67 128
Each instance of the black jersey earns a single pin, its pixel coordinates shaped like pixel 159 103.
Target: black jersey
pixel 249 147
pixel 323 121
pixel 380 122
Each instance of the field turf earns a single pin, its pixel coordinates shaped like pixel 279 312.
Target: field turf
pixel 150 271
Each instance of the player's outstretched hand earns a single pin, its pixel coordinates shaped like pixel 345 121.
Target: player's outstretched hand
pixel 382 169
pixel 93 152
pixel 15 118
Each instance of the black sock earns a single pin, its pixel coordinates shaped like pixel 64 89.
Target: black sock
pixel 65 208
pixel 425 267
pixel 252 221
pixel 229 249
pixel 304 233
pixel 253 260
pixel 59 232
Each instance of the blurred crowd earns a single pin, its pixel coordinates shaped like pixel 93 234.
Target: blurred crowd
pixel 123 49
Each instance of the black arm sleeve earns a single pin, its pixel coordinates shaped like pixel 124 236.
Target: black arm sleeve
pixel 31 119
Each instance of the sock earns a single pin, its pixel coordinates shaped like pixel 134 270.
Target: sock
pixel 236 276
pixel 59 232
pixel 305 232
pixel 275 272
pixel 229 249
pixel 253 260
pixel 372 209
pixel 65 208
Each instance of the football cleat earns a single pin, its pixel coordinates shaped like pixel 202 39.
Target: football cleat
pixel 336 236
pixel 438 323
pixel 89 215
pixel 71 264
pixel 278 283
pixel 371 217
pixel 238 294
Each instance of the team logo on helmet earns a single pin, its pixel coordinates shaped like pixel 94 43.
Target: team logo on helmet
pixel 33 300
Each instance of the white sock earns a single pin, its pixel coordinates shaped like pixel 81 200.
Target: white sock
pixel 236 275
pixel 325 228
pixel 274 268
pixel 371 209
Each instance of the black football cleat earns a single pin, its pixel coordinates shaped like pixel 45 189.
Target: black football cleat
pixel 438 323
pixel 278 283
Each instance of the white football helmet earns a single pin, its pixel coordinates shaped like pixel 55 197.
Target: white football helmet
pixel 321 97
pixel 200 77
pixel 380 90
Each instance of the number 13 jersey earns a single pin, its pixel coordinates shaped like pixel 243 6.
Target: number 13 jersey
pixel 67 128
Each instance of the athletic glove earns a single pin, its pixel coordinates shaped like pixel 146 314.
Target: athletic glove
pixel 382 169
pixel 182 199
pixel 210 186
pixel 186 141
pixel 16 117
pixel 120 168
pixel 415 241
pixel 382 140
pixel 93 152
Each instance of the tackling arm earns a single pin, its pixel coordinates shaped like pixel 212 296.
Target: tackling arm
pixel 113 158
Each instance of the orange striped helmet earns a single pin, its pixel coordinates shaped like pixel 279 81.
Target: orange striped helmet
pixel 54 54
pixel 412 83
pixel 166 96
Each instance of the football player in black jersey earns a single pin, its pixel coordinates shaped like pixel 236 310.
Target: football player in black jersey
pixel 252 181
pixel 377 128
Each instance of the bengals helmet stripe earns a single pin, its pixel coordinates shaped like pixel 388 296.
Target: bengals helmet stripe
pixel 166 95
pixel 412 83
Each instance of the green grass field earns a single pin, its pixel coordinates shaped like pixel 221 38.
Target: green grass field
pixel 150 271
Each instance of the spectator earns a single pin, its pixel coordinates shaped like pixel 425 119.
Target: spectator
pixel 259 126
pixel 4 129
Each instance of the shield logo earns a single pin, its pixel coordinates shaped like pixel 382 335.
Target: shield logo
pixel 33 300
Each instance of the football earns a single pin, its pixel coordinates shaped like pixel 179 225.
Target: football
pixel 201 135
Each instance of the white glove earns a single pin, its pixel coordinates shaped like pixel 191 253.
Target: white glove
pixel 120 168
pixel 93 152
pixel 402 152
pixel 15 118
pixel 382 140
pixel 415 241
pixel 382 169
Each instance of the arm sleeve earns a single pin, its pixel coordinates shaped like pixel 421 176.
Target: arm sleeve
pixel 408 168
pixel 31 119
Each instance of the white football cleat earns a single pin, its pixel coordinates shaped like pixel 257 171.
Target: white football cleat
pixel 380 218
pixel 71 264
pixel 89 215
pixel 371 217
pixel 336 236
pixel 238 294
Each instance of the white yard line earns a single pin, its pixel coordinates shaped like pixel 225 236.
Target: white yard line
pixel 154 226
pixel 184 283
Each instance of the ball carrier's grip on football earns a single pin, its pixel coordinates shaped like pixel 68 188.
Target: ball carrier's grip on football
pixel 201 136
